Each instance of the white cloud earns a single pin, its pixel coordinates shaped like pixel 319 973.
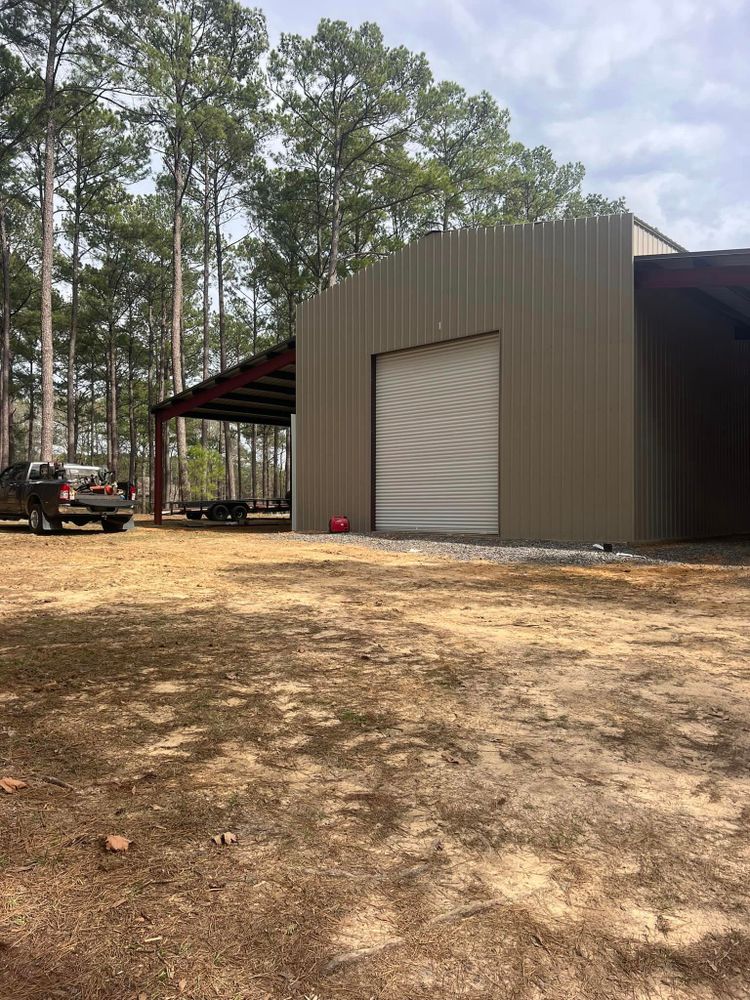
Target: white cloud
pixel 718 93
pixel 647 193
pixel 730 228
pixel 580 43
pixel 604 140
pixel 651 95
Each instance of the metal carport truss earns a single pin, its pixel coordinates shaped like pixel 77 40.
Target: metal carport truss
pixel 722 276
pixel 259 390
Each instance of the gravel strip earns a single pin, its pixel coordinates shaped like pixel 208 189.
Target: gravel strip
pixel 733 552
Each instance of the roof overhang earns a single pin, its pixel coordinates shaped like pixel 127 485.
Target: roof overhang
pixel 721 275
pixel 259 390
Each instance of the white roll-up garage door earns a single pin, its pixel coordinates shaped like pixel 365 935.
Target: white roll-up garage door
pixel 436 437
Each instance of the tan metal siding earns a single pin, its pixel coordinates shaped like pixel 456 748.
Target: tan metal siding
pixel 646 241
pixel 561 295
pixel 693 420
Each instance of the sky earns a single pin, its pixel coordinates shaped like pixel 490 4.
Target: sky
pixel 652 96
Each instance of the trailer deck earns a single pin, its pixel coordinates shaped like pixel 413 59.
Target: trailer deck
pixel 237 509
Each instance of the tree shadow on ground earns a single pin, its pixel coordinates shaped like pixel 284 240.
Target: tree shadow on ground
pixel 382 773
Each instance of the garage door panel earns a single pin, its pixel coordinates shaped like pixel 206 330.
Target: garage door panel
pixel 436 437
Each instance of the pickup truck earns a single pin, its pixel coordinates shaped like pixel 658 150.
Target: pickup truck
pixel 50 494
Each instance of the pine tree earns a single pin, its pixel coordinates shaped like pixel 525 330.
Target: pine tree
pixel 58 38
pixel 350 103
pixel 188 54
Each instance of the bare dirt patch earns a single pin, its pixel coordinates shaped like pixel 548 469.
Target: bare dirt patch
pixel 446 779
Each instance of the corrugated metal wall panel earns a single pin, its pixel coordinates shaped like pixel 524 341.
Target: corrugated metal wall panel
pixel 436 447
pixel 647 241
pixel 561 294
pixel 692 420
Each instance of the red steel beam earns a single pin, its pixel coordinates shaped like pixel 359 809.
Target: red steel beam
pixel 697 277
pixel 235 382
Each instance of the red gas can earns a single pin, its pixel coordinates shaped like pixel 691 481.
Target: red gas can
pixel 338 523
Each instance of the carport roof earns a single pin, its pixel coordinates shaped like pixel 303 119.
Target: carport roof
pixel 259 390
pixel 722 275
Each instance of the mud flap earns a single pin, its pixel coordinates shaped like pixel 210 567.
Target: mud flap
pixel 129 525
pixel 46 526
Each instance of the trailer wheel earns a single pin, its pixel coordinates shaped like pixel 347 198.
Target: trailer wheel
pixel 219 512
pixel 193 515
pixel 239 513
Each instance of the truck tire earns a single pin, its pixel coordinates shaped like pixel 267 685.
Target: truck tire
pixel 239 513
pixel 219 512
pixel 193 515
pixel 36 519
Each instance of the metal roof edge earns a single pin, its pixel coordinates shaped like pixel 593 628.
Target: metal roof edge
pixel 254 359
pixel 447 233
pixel 691 254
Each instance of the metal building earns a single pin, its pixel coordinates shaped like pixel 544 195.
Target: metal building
pixel 575 380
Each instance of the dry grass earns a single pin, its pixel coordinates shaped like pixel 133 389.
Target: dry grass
pixel 447 780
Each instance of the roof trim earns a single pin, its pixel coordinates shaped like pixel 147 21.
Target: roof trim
pixel 688 255
pixel 440 235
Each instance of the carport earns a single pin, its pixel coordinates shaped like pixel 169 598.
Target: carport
pixel 692 403
pixel 723 276
pixel 259 390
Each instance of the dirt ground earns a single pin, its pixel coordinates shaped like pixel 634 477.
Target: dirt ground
pixel 445 779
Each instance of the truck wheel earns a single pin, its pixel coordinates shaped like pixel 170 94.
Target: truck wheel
pixel 193 515
pixel 36 519
pixel 219 512
pixel 112 526
pixel 239 513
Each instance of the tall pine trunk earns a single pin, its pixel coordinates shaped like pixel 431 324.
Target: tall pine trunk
pixel 72 443
pixel 253 427
pixel 132 427
pixel 92 413
pixel 276 461
pixel 206 266
pixel 287 460
pixel 333 260
pixel 182 471
pixel 161 352
pixel 113 444
pixel 239 460
pixel 150 420
pixel 5 354
pixel 264 465
pixel 162 361
pixel 48 240
pixel 32 411
pixel 253 460
pixel 230 476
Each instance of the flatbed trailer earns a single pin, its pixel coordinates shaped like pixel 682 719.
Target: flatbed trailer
pixel 237 510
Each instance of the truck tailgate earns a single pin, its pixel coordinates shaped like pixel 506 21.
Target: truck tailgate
pixel 101 502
